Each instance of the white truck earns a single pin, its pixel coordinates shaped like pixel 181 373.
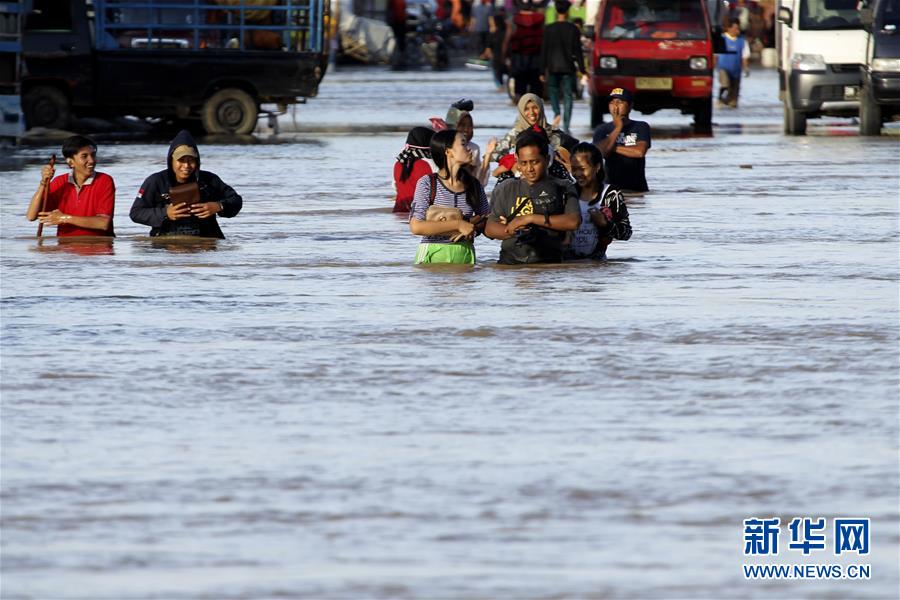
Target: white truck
pixel 821 49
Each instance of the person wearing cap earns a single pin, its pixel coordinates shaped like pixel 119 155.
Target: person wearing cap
pixel 413 163
pixel 561 59
pixel 624 144
pixel 459 117
pixel 152 206
pixel 78 203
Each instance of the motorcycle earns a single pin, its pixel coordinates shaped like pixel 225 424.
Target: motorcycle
pixel 425 41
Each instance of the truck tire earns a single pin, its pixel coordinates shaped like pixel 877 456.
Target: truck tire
pixel 596 111
pixel 703 116
pixel 869 113
pixel 231 110
pixel 45 106
pixel 794 120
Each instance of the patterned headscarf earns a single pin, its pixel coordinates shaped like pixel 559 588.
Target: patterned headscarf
pixel 418 146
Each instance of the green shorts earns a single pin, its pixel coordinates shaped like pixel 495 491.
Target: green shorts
pixel 461 253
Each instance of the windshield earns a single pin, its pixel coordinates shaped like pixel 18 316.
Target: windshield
pixel 653 19
pixel 889 13
pixel 829 14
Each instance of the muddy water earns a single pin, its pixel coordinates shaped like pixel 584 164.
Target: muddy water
pixel 297 411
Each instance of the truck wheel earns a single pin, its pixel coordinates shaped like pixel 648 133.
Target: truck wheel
pixel 45 106
pixel 794 120
pixel 869 113
pixel 596 111
pixel 230 111
pixel 703 116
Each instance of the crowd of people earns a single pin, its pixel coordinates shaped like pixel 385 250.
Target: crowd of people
pixel 556 198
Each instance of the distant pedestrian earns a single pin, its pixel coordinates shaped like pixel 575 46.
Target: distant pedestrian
pixel 482 11
pixel 522 50
pixel 155 205
pixel 80 202
pixel 731 64
pixel 396 20
pixel 494 51
pixel 561 60
pixel 413 163
pixel 624 144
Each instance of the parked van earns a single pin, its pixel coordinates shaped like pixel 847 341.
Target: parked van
pixel 661 50
pixel 879 98
pixel 821 49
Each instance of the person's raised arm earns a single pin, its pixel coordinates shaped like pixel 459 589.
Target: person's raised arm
pixel 34 206
pixel 607 144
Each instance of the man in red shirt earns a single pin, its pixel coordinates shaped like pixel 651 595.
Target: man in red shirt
pixel 78 203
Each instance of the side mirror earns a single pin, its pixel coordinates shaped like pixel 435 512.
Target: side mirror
pixel 866 17
pixel 785 15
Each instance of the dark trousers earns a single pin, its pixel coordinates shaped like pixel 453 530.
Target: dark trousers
pixel 564 82
pixel 528 80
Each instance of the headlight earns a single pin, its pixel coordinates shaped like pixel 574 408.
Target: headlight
pixel 609 62
pixel 891 65
pixel 807 62
pixel 698 63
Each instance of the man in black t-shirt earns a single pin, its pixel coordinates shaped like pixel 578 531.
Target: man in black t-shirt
pixel 533 213
pixel 624 143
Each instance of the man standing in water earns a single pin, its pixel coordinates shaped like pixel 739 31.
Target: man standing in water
pixel 153 204
pixel 532 214
pixel 81 202
pixel 624 144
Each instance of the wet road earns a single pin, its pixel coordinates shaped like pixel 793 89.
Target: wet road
pixel 297 411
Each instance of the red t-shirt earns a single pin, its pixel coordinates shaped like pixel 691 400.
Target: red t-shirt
pixel 407 189
pixel 97 197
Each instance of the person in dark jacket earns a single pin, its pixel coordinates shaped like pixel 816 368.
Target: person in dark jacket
pixel 152 206
pixel 561 59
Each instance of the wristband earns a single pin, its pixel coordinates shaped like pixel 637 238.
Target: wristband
pixel 547 219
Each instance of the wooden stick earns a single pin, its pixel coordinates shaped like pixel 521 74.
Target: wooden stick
pixel 46 193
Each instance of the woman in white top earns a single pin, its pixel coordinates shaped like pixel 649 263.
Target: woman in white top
pixel 604 214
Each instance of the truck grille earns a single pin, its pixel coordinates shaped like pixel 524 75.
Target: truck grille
pixel 845 67
pixel 651 68
pixel 827 93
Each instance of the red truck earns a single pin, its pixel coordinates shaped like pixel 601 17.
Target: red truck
pixel 661 50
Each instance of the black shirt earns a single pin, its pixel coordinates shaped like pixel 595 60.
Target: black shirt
pixel 622 171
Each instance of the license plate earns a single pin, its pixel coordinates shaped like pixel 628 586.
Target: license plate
pixel 851 92
pixel 653 83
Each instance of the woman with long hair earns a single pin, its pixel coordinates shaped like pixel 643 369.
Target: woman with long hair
pixel 412 163
pixel 452 186
pixel 604 213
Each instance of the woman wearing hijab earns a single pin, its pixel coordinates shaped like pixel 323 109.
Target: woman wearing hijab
pixel 412 164
pixel 155 207
pixel 531 116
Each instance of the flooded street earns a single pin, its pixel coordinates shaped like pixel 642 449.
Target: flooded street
pixel 298 411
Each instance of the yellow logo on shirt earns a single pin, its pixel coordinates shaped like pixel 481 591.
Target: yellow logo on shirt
pixel 527 206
